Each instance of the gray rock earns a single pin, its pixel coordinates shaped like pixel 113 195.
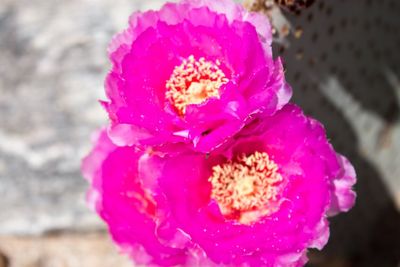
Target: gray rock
pixel 52 66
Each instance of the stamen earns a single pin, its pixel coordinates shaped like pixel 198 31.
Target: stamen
pixel 248 186
pixel 193 82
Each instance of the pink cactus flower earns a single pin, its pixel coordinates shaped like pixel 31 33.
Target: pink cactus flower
pixel 263 201
pixel 192 74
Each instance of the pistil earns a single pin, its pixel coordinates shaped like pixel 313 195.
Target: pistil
pixel 248 185
pixel 193 82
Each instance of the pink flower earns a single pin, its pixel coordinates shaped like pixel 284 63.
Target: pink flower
pixel 193 73
pixel 261 202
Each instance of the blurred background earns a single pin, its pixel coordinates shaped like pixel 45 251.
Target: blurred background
pixel 342 61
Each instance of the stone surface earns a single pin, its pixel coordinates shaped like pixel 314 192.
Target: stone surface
pixel 86 250
pixel 61 250
pixel 344 69
pixel 52 66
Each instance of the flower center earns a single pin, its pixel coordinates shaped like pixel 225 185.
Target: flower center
pixel 247 187
pixel 193 82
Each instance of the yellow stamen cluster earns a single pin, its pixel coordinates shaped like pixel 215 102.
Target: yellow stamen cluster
pixel 193 82
pixel 247 184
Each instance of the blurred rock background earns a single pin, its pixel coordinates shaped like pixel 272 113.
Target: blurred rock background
pixel 342 61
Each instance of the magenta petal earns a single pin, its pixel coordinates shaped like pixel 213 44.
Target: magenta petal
pixel 343 197
pixel 322 235
pixel 237 12
pixel 125 205
pixel 159 208
pixel 151 173
pixel 280 239
pixel 145 55
pixel 91 165
pixel 127 134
